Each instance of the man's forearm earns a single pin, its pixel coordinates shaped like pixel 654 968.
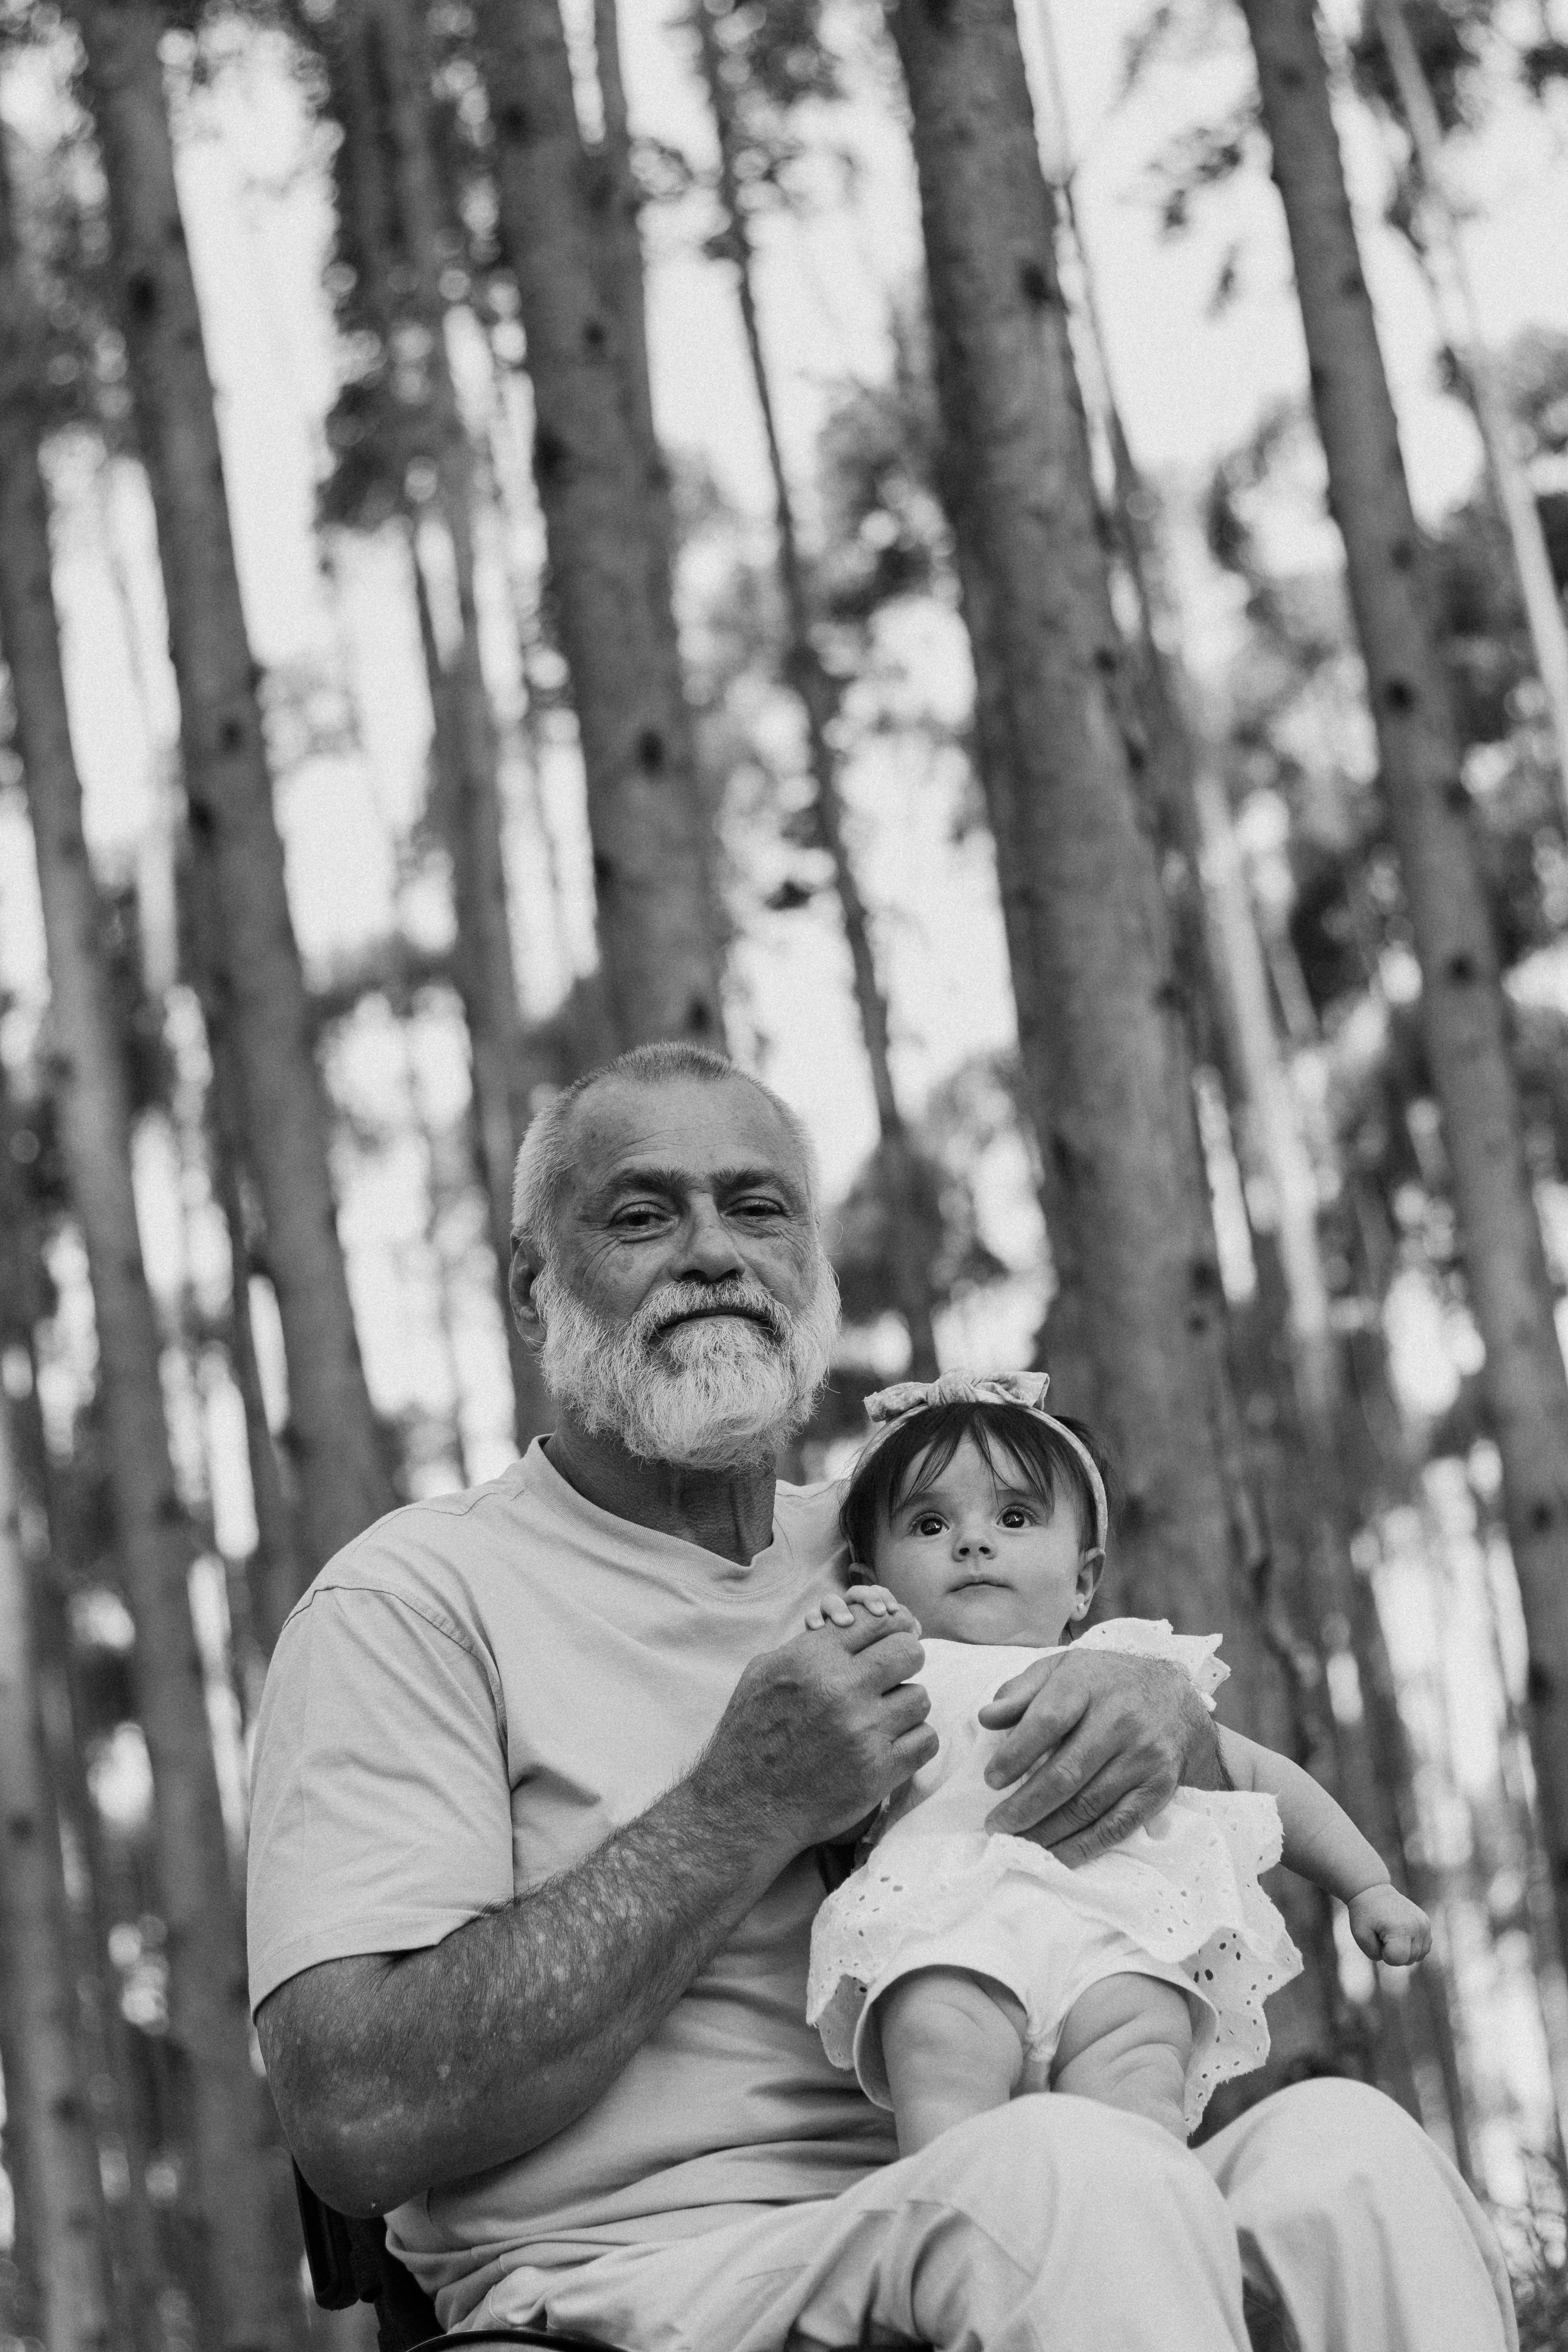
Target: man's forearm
pixel 393 2075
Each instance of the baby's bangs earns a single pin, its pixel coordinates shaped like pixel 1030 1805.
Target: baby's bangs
pixel 1019 1450
pixel 928 1445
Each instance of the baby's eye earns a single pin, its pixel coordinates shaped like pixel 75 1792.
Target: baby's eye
pixel 928 1524
pixel 1015 1515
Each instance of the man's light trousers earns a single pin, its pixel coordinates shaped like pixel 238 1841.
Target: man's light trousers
pixel 1053 2225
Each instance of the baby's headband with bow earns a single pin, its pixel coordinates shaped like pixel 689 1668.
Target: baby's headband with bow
pixel 888 1407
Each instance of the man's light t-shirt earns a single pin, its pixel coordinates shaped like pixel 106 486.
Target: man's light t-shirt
pixel 470 1700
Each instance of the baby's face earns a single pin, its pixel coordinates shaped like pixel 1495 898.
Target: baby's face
pixel 980 1559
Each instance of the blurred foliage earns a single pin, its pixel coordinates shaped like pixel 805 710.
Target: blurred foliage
pixel 1448 37
pixel 885 533
pixel 1299 762
pixel 63 235
pixel 942 1208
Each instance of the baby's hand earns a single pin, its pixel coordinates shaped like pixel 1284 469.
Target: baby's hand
pixel 839 1608
pixel 1388 1927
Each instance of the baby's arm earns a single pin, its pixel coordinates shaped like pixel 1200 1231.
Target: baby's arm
pixel 1322 1843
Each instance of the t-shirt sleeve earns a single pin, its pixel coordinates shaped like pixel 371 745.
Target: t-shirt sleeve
pixel 381 1812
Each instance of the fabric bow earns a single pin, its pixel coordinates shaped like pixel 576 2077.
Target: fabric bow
pixel 958 1388
pixel 885 1408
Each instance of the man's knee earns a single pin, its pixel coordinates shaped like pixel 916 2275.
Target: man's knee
pixel 1332 2139
pixel 1029 2172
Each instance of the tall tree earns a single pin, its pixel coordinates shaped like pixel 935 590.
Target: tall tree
pixel 1106 1061
pixel 50 2151
pixel 819 695
pixel 1464 1012
pixel 393 231
pixel 237 857
pixel 660 935
pixel 616 200
pixel 231 2182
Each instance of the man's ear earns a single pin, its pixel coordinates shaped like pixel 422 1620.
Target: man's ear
pixel 526 1268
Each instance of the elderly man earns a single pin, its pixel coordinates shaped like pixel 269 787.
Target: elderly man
pixel 542 1775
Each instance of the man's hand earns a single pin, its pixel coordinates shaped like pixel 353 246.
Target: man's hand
pixel 819 1732
pixel 1096 1743
pixel 1389 1928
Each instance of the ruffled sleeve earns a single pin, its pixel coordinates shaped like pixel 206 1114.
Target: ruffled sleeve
pixel 1150 1637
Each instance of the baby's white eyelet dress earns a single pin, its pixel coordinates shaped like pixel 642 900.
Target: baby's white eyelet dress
pixel 1179 1899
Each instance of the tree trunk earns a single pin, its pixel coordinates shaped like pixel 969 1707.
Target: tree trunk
pixel 1463 1010
pixel 51 2153
pixel 25 1299
pixel 237 856
pixel 502 1076
pixel 381 92
pixel 806 672
pixel 1105 1050
pixel 613 189
pixel 1499 436
pixel 275 1574
pixel 230 2175
pixel 660 935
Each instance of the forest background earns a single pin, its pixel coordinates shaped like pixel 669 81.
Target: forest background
pixel 525 527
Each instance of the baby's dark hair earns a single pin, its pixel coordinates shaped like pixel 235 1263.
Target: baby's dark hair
pixel 914 1454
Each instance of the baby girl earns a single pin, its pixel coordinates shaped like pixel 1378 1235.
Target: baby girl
pixel 956 1968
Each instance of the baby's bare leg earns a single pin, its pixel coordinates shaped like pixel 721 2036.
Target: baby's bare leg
pixel 1126 2042
pixel 954 2047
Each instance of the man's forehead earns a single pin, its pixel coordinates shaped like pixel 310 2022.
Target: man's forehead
pixel 698 1126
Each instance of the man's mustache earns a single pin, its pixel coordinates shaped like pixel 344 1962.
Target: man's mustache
pixel 682 1302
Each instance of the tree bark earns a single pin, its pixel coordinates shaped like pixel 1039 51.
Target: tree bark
pixel 386 108
pixel 238 855
pixel 1463 1010
pixel 230 2177
pixel 659 936
pixel 1449 271
pixel 613 188
pixel 1104 1046
pixel 805 671
pixel 51 2153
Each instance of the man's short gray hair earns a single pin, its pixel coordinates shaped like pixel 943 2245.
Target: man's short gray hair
pixel 545 1159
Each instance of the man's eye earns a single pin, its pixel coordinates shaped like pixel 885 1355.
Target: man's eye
pixel 761 1207
pixel 639 1216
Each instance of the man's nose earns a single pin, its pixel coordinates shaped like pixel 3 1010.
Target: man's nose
pixel 710 1254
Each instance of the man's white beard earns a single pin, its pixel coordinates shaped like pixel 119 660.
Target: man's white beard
pixel 715 1394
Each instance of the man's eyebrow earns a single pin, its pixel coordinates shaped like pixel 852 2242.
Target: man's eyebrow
pixel 645 1177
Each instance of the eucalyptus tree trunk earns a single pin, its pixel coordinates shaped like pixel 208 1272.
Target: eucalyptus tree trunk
pixel 231 2182
pixel 613 193
pixel 275 1575
pixel 1463 1010
pixel 51 2153
pixel 660 935
pixel 237 853
pixel 1106 1056
pixel 391 37
pixel 1500 434
pixel 135 2256
pixel 818 699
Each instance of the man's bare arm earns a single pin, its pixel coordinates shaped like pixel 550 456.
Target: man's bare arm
pixel 393 2074
pixel 1095 1742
